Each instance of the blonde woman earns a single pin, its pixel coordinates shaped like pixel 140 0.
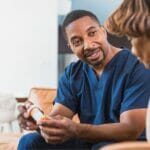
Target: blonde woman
pixel 132 18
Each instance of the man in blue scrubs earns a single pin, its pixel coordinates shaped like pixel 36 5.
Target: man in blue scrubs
pixel 107 87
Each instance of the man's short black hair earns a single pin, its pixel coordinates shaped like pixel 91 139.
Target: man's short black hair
pixel 74 15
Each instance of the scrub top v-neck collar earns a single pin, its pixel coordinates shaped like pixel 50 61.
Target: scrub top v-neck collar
pixel 95 80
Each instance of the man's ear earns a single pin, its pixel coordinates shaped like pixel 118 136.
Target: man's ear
pixel 103 29
pixel 68 45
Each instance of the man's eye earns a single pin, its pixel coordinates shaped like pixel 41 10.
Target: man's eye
pixel 77 42
pixel 92 33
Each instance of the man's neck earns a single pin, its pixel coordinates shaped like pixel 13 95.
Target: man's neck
pixel 112 51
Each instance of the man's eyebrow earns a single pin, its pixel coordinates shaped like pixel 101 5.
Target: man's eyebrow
pixel 74 37
pixel 90 28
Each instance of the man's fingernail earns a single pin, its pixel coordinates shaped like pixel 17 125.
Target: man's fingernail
pixel 25 115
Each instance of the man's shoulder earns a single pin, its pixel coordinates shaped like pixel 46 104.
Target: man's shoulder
pixel 74 68
pixel 126 55
pixel 128 61
pixel 130 65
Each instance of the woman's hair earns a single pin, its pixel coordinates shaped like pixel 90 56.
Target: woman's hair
pixel 132 18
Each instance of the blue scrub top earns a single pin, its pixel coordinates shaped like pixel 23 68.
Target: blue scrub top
pixel 123 85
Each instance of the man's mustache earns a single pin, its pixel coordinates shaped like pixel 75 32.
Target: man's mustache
pixel 90 52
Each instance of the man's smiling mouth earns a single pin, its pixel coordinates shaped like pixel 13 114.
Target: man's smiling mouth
pixel 93 54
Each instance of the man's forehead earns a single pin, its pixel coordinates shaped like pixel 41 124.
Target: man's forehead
pixel 83 23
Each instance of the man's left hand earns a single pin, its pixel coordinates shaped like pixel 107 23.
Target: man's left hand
pixel 58 129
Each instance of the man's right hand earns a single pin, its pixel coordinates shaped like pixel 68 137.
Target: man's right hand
pixel 25 120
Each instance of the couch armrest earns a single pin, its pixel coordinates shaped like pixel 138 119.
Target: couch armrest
pixel 128 146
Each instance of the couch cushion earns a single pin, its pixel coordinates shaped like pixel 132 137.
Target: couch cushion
pixel 43 98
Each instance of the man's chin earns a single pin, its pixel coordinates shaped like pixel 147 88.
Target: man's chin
pixel 96 64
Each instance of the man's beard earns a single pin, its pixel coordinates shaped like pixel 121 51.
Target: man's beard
pixel 98 62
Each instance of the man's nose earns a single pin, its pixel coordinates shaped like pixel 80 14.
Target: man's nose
pixel 88 44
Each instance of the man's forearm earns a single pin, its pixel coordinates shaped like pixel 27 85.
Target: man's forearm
pixel 112 132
